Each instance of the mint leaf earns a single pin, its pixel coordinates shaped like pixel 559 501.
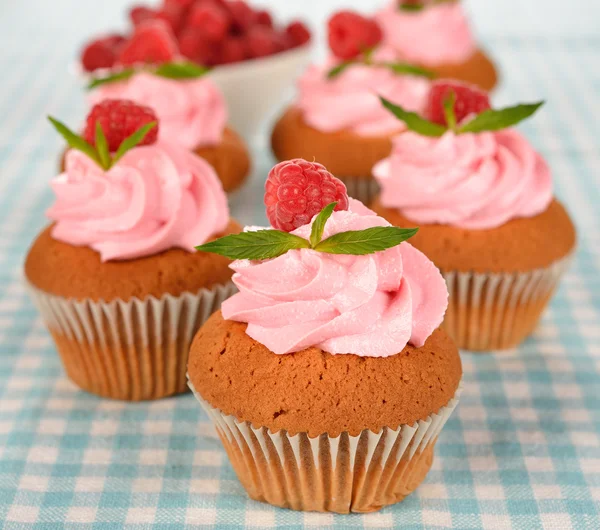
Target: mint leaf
pixel 449 103
pixel 102 147
pixel 494 120
pixel 369 241
pixel 131 141
pixel 263 244
pixel 413 121
pixel 113 78
pixel 411 7
pixel 408 69
pixel 75 141
pixel 318 226
pixel 337 70
pixel 181 70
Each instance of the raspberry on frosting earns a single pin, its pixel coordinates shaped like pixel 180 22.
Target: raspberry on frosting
pixel 351 34
pixel 470 100
pixel 297 190
pixel 119 119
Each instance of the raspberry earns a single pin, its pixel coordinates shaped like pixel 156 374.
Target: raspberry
pixel 263 41
pixel 119 118
pixel 101 53
pixel 173 15
pixel 210 19
pixel 298 34
pixel 297 190
pixel 152 42
pixel 233 50
pixel 469 100
pixel 138 14
pixel 264 18
pixel 242 15
pixel 350 34
pixel 189 43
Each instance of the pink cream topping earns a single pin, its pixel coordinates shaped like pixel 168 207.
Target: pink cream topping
pixel 472 181
pixel 155 198
pixel 438 34
pixel 192 112
pixel 350 100
pixel 371 305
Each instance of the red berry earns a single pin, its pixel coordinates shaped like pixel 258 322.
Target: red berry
pixel 242 15
pixel 138 14
pixel 233 50
pixel 173 15
pixel 263 41
pixel 119 118
pixel 152 42
pixel 184 4
pixel 469 100
pixel 189 43
pixel 209 19
pixel 298 34
pixel 297 190
pixel 350 34
pixel 264 18
pixel 101 53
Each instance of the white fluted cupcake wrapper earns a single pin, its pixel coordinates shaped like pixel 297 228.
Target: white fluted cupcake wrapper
pixel 131 350
pixel 496 311
pixel 343 474
pixel 363 189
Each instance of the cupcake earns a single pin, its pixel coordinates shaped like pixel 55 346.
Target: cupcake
pixel 337 119
pixel 191 109
pixel 488 219
pixel 115 276
pixel 327 377
pixel 436 34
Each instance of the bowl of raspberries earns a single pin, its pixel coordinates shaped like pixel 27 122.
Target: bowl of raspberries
pixel 242 46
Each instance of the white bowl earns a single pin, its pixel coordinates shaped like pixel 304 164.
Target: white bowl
pixel 256 88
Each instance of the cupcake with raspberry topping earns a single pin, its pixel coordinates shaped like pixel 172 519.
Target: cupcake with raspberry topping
pixel 337 119
pixel 436 35
pixel 191 109
pixel 116 276
pixel 327 376
pixel 483 199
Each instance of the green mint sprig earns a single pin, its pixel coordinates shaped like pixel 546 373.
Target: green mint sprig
pixel 488 120
pixel 419 6
pixel 267 244
pixel 175 70
pixel 366 59
pixel 100 153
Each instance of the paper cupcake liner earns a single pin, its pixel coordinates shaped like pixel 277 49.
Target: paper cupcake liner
pixel 498 311
pixel 135 350
pixel 343 474
pixel 363 189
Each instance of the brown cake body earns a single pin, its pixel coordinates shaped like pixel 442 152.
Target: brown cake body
pixel 315 392
pixel 230 159
pixel 478 70
pixel 74 272
pixel 519 245
pixel 345 154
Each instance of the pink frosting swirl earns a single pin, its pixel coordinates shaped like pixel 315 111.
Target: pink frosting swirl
pixel 350 100
pixel 438 34
pixel 155 198
pixel 365 305
pixel 192 113
pixel 473 181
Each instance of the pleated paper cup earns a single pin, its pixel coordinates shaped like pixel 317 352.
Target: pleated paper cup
pixel 498 311
pixel 344 474
pixel 129 350
pixel 363 189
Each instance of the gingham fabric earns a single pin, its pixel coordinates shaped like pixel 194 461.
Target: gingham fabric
pixel 522 450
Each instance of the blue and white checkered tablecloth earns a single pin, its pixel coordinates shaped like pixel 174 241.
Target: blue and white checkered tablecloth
pixel 522 450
